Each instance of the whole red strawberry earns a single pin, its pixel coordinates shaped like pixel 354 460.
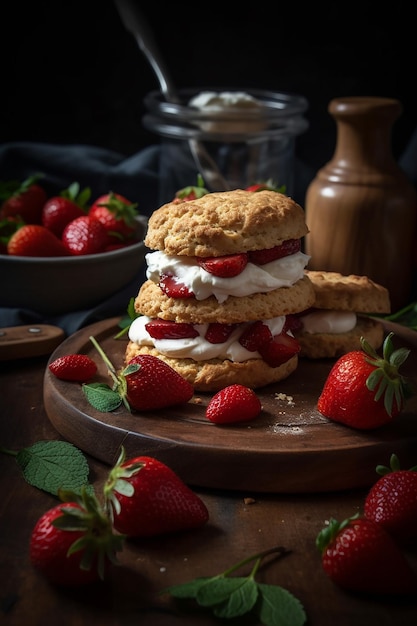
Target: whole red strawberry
pixel 60 210
pixel 35 240
pixel 392 501
pixel 73 543
pixel 75 367
pixel 359 555
pixel 117 214
pixel 23 199
pixel 191 192
pixel 269 184
pixel 364 390
pixel 84 235
pixel 146 498
pixel 153 384
pixel 235 403
pixel 146 383
pixel 8 226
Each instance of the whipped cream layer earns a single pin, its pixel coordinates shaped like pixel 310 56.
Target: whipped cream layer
pixel 254 278
pixel 198 348
pixel 323 321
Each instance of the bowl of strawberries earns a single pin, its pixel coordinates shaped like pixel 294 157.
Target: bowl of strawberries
pixel 67 252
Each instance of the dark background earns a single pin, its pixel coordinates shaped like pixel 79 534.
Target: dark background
pixel 72 74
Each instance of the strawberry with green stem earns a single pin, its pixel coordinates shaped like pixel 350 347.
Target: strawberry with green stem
pixel 23 199
pixel 364 390
pixel 73 543
pixel 144 498
pixel 359 555
pixel 118 216
pixel 267 185
pixel 392 500
pixel 191 192
pixel 60 210
pixel 146 383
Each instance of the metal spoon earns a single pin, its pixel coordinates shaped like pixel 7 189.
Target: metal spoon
pixel 135 23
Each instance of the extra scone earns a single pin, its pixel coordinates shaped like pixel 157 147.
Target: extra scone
pixel 223 274
pixel 341 315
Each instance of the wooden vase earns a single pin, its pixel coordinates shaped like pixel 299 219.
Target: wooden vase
pixel 361 208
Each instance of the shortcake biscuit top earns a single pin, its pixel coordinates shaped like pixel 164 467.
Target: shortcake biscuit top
pixel 225 223
pixel 348 293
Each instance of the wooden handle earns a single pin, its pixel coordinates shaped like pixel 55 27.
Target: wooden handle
pixel 17 342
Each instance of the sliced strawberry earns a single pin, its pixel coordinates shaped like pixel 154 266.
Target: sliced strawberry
pixel 261 257
pixel 218 333
pixel 166 329
pixel 292 323
pixel 255 336
pixel 172 288
pixel 279 350
pixel 224 266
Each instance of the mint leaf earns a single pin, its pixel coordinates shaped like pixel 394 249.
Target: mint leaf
pixel 126 321
pixel 233 597
pixel 186 590
pixel 102 397
pixel 277 606
pixel 52 465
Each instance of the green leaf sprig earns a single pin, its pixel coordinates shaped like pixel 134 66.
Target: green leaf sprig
pixel 103 397
pixel 230 597
pixel 407 316
pixel 126 321
pixel 52 465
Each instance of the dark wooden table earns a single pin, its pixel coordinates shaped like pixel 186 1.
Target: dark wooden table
pixel 236 529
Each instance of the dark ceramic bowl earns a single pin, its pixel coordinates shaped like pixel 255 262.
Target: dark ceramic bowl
pixel 59 285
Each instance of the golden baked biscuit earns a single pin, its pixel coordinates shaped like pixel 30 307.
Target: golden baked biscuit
pixel 214 374
pixel 332 345
pixel 151 301
pixel 348 293
pixel 338 292
pixel 224 223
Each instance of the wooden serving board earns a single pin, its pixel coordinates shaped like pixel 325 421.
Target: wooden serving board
pixel 289 448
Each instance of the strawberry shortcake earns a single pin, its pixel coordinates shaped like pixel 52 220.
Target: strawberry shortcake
pixel 225 278
pixel 344 311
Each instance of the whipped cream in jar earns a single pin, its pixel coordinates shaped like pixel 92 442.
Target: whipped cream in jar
pixel 249 135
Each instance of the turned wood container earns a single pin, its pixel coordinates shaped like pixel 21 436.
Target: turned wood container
pixel 361 208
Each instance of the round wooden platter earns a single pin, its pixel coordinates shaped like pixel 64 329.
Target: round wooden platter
pixel 289 448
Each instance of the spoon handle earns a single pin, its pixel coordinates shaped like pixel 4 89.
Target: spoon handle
pixel 135 22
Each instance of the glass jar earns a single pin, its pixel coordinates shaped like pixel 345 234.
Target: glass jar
pixel 232 146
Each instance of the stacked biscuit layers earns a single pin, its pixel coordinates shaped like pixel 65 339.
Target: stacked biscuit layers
pixel 217 225
pixel 342 314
